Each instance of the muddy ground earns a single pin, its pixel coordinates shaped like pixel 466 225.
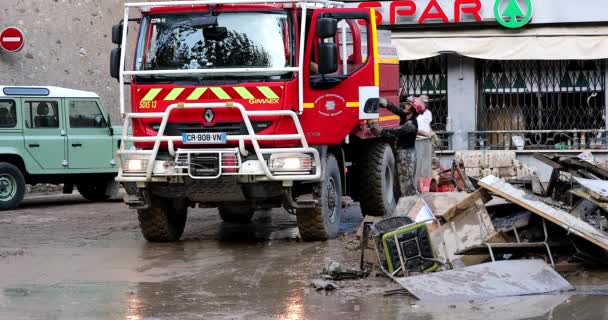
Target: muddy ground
pixel 64 258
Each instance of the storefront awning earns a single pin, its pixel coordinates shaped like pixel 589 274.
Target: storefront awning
pixel 547 43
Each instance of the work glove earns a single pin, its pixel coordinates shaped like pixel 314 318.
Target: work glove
pixel 382 103
pixel 410 127
pixel 375 128
pixel 435 140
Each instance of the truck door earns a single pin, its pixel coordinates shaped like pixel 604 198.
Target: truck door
pixel 89 139
pixel 44 131
pixel 336 97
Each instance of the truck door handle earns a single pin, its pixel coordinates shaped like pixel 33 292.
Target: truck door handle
pixel 34 145
pixel 76 145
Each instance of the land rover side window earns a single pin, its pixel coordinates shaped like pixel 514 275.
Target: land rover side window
pixel 86 114
pixel 41 114
pixel 8 114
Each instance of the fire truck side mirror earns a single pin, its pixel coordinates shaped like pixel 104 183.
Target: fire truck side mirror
pixel 117 33
pixel 115 63
pixel 328 58
pixel 327 27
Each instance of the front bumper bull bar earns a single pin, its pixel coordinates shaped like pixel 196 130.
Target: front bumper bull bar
pixel 252 137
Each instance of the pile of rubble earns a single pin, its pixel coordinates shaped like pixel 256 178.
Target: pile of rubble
pixel 501 164
pixel 508 236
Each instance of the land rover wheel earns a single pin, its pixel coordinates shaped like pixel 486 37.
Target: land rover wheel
pixel 323 221
pixel 236 213
pixel 164 220
pixel 377 183
pixel 12 186
pixel 94 191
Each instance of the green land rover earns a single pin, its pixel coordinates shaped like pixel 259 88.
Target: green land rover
pixel 55 135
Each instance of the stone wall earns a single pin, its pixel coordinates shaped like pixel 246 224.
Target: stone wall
pixel 67 43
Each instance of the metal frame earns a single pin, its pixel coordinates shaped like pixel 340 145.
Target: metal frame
pixel 523 244
pixel 250 137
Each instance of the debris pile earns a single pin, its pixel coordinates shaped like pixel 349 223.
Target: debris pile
pixel 514 230
pixel 501 164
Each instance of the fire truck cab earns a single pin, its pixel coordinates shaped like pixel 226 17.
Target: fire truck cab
pixel 244 104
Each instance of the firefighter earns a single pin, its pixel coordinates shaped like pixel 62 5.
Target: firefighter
pixel 405 136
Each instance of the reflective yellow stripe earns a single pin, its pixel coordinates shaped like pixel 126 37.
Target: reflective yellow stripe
pixel 151 94
pixel 220 93
pixel 389 118
pixel 243 92
pixel 174 94
pixel 309 105
pixel 354 104
pixel 268 93
pixel 375 47
pixel 197 93
pixel 389 60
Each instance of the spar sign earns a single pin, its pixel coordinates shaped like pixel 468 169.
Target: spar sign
pixel 11 39
pixel 508 13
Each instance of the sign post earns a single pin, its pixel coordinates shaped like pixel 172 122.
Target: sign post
pixel 11 39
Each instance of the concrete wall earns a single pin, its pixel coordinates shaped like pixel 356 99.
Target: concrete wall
pixel 67 43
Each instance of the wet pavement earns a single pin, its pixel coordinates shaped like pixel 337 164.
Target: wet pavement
pixel 65 258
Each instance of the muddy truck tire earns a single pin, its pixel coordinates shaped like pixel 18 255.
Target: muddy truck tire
pixel 377 181
pixel 163 221
pixel 236 213
pixel 12 186
pixel 323 221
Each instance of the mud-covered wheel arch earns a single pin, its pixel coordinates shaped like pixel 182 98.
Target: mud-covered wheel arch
pixel 164 220
pixel 323 221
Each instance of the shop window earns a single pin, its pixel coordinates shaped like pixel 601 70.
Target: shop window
pixel 8 113
pixel 548 104
pixel 41 114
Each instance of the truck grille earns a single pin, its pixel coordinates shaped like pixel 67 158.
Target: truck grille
pixel 231 128
pixel 204 164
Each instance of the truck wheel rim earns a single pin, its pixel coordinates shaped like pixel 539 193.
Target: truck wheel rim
pixel 331 199
pixel 389 184
pixel 8 187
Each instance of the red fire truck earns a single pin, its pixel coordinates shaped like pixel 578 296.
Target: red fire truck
pixel 244 104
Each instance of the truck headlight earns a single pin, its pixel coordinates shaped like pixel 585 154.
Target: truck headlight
pixel 135 163
pixel 290 162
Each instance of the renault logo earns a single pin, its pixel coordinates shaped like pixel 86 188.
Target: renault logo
pixel 208 115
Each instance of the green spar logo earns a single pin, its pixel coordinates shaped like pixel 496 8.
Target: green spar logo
pixel 513 16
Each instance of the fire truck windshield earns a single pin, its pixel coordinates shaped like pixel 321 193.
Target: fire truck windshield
pixel 230 40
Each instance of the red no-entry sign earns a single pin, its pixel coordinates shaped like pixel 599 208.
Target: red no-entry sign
pixel 11 39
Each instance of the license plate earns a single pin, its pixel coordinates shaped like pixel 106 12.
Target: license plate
pixel 204 138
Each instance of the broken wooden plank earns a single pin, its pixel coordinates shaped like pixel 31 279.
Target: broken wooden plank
pixel 547 160
pixel 466 203
pixel 537 186
pixel 442 202
pixel 559 217
pixel 485 281
pixel 578 163
pixel 585 195
pixel 471 227
pixel 598 188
